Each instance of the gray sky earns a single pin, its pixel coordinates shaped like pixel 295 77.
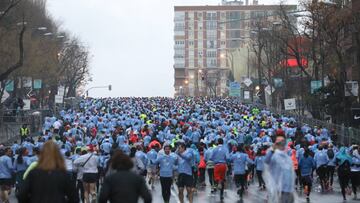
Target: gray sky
pixel 131 41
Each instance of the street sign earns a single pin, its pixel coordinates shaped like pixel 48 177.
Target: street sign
pixel 351 88
pixel 278 82
pixel 9 87
pixel 27 82
pixel 37 84
pixel 290 104
pixel 315 85
pixel 61 91
pixel 5 96
pixel 59 99
pixel 247 82
pixel 27 104
pixel 234 90
pixel 246 94
pixel 269 90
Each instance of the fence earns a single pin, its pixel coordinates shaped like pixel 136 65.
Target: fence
pixel 11 122
pixel 346 135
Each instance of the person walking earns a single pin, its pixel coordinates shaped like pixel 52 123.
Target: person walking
pixel 219 157
pixel 166 162
pixel 24 133
pixel 280 176
pixel 185 178
pixel 6 175
pixel 306 166
pixel 89 164
pixel 355 171
pixel 344 160
pixel 321 159
pixel 123 185
pixel 240 160
pixel 259 165
pixel 49 181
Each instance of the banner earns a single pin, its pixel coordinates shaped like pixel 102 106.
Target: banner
pixel 234 89
pixel 9 87
pixel 315 85
pixel 37 84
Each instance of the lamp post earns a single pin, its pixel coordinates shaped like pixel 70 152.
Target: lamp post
pixel 109 87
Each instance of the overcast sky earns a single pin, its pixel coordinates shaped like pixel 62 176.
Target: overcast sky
pixel 131 41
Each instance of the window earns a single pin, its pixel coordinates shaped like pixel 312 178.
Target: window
pixel 211 62
pixel 211 54
pixel 200 54
pixel 179 26
pixel 191 43
pixel 211 44
pixel 211 25
pixel 211 34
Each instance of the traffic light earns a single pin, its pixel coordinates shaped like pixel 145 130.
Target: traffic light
pixel 110 87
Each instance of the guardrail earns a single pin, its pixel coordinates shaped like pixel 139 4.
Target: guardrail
pixel 346 135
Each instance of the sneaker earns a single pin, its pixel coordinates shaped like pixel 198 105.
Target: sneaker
pixel 307 199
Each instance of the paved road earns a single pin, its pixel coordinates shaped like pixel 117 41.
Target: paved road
pixel 253 195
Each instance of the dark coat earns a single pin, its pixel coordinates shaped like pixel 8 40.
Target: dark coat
pixel 47 187
pixel 124 187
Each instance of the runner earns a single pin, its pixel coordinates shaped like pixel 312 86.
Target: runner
pixel 185 178
pixel 219 156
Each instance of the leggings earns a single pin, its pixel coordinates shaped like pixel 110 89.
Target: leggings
pixel 307 181
pixel 202 175
pixel 80 188
pixel 166 188
pixel 211 176
pixel 322 173
pixel 331 171
pixel 344 180
pixel 355 180
pixel 260 178
pixel 240 182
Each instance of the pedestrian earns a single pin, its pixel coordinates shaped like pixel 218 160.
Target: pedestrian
pixel 21 163
pixel 321 159
pixel 219 157
pixel 185 178
pixel 259 165
pixel 6 175
pixel 210 166
pixel 355 171
pixel 166 163
pixel 48 182
pixel 280 177
pixel 240 160
pixel 123 185
pixel 89 163
pixel 24 133
pixel 343 160
pixel 306 167
pixel 202 168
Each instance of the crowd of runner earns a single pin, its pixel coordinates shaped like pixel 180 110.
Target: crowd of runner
pixel 188 142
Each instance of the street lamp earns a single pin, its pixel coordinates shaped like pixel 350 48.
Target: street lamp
pixel 186 82
pixel 109 87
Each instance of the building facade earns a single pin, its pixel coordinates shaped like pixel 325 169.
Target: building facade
pixel 206 39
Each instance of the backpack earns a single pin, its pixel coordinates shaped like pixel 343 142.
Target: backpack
pixel 330 153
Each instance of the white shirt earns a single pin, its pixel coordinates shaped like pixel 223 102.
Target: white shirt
pixel 57 124
pixel 91 165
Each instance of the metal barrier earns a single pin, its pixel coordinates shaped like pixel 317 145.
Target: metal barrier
pixel 346 135
pixel 10 124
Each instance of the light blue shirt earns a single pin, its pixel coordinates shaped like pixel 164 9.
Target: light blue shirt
pixel 321 158
pixel 219 155
pixel 185 161
pixel 166 164
pixel 6 167
pixel 259 163
pixel 240 161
